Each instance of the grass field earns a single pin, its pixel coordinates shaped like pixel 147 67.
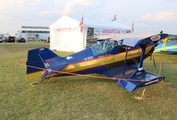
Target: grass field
pixel 81 98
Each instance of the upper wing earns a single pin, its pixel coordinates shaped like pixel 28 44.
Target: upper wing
pixel 133 41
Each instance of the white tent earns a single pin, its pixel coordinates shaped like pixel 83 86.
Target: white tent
pixel 65 34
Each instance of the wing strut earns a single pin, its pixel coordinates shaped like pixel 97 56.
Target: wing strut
pixel 125 62
pixel 140 77
pixel 140 67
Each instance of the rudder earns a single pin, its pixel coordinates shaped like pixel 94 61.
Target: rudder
pixel 42 62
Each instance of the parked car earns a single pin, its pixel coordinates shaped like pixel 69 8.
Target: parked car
pixel 10 39
pixel 21 40
pixel 0 39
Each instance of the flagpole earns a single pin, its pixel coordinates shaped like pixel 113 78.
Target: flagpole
pixel 83 31
pixel 133 27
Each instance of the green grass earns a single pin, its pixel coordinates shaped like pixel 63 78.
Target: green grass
pixel 80 98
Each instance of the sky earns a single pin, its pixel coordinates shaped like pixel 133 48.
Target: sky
pixel 148 16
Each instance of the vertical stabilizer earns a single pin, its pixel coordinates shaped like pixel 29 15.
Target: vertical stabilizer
pixel 42 62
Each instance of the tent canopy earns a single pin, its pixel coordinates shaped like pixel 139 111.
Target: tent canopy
pixel 96 23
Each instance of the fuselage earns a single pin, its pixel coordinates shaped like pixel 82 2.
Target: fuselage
pixel 88 61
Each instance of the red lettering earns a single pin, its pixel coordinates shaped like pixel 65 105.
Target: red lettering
pixel 106 31
pixel 118 31
pixel 49 60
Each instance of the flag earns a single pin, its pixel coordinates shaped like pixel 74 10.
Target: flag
pixel 81 24
pixel 133 26
pixel 114 18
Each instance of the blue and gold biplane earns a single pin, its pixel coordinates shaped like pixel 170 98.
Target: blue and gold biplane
pixel 121 60
pixel 168 45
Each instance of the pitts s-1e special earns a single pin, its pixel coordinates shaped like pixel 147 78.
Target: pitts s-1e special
pixel 119 59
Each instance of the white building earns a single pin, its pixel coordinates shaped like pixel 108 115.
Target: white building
pixel 33 32
pixel 66 35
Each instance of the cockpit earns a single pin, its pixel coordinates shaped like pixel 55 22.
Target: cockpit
pixel 101 47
